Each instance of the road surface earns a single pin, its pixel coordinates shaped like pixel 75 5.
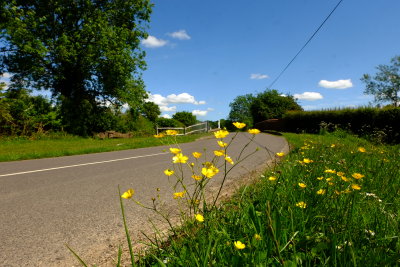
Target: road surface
pixel 47 203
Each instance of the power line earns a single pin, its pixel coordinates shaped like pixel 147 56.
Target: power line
pixel 309 40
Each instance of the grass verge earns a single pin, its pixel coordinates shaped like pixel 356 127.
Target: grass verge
pixel 22 148
pixel 333 201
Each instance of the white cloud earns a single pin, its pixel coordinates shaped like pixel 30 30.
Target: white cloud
pixel 310 96
pixel 168 109
pixel 258 76
pixel 158 99
pixel 339 84
pixel 167 116
pixel 197 112
pixel 184 98
pixel 181 35
pixel 153 42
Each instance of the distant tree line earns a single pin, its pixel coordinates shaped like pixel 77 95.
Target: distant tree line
pixel 24 114
pixel 251 109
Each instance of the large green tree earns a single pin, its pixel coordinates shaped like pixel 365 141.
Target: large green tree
pixel 87 52
pixel 185 117
pixel 385 84
pixel 151 111
pixel 240 109
pixel 271 104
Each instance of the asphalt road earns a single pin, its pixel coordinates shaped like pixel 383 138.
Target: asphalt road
pixel 47 203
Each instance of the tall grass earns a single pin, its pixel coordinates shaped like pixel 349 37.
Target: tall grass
pixel 333 201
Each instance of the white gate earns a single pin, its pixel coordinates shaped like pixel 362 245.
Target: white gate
pixel 196 128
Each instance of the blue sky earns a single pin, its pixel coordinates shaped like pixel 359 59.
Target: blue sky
pixel 203 54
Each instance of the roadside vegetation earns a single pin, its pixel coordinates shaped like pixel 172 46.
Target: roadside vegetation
pixel 61 144
pixel 332 201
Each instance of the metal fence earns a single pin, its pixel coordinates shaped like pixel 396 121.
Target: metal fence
pixel 196 128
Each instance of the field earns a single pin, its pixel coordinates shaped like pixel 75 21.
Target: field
pixel 66 145
pixel 333 201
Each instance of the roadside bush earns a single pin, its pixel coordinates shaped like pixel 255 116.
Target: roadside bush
pixel 164 122
pixel 380 125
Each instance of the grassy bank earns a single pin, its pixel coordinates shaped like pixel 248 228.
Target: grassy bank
pixel 23 148
pixel 333 201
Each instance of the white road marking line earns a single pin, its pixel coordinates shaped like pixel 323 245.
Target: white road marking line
pixel 83 164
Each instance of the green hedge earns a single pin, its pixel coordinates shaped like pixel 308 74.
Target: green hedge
pixel 381 124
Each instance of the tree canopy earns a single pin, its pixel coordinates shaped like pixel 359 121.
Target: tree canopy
pixel 269 104
pixel 87 52
pixel 151 111
pixel 240 109
pixel 385 84
pixel 185 117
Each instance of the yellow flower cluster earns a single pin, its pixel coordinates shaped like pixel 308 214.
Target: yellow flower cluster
pixel 221 134
pixel 199 218
pixel 239 125
pixel 301 204
pixel 209 170
pixel 171 132
pixel 179 194
pixel 179 158
pixel 253 131
pixel 128 194
pixel 239 245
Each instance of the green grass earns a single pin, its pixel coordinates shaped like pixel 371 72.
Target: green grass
pixel 347 225
pixel 12 149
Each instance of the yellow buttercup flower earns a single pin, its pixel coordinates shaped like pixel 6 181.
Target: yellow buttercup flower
pixel 344 178
pixel 355 186
pixel 280 154
pixel 272 178
pixel 321 192
pixel 196 177
pixel 257 237
pixel 219 153
pixel 221 133
pixel 254 131
pixel 302 185
pixel 239 245
pixel 179 158
pixel 340 173
pixel 209 171
pixel 168 172
pixel 222 144
pixel 128 194
pixel 171 132
pixel 330 171
pixel 160 135
pixel 174 150
pixel 361 149
pixel 329 179
pixel 179 194
pixel 239 125
pixel 333 145
pixel 301 204
pixel 357 175
pixel 196 154
pixel 228 159
pixel 199 218
pixel 307 160
pixel 320 178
